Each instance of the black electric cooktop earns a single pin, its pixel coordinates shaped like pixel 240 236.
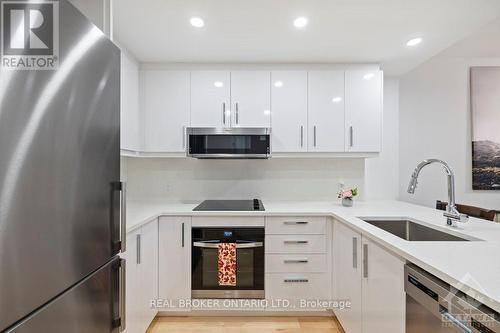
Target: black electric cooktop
pixel 230 205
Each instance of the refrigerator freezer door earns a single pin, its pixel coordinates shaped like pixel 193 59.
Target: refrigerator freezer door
pixel 91 306
pixel 60 157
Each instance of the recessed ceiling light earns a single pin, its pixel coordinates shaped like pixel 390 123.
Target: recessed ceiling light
pixel 368 76
pixel 336 99
pixel 278 84
pixel 197 22
pixel 300 22
pixel 414 41
pixel 218 84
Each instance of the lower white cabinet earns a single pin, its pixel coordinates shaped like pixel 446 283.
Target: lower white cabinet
pixel 174 262
pixel 383 290
pixel 347 273
pixel 372 279
pixel 142 274
pixel 298 262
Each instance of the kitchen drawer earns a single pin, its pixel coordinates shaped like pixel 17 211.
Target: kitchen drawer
pixel 296 225
pixel 227 221
pixel 296 263
pixel 286 244
pixel 294 286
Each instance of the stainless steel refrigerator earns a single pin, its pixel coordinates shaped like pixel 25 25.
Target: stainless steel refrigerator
pixel 61 200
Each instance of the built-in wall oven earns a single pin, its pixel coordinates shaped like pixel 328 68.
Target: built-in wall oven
pixel 249 243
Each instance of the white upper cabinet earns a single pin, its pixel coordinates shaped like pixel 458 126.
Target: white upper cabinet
pixel 129 104
pixel 165 103
pixel 210 99
pixel 251 99
pixel 289 111
pixel 326 111
pixel 363 110
pixel 318 111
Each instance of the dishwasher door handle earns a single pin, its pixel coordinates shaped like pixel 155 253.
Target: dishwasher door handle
pixel 457 323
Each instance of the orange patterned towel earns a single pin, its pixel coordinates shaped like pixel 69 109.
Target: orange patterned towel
pixel 226 265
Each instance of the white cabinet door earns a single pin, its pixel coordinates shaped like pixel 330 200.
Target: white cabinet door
pixel 289 111
pixel 131 134
pixel 363 110
pixel 326 111
pixel 174 260
pixel 347 276
pixel 132 288
pixel 148 271
pixel 165 103
pixel 210 99
pixel 383 290
pixel 251 98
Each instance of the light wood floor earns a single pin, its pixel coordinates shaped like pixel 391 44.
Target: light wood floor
pixel 245 325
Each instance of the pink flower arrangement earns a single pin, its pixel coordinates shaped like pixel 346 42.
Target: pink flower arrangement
pixel 348 194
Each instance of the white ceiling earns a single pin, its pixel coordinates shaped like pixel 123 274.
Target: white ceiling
pixel 261 31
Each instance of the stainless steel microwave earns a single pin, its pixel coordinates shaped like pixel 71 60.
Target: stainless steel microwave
pixel 235 142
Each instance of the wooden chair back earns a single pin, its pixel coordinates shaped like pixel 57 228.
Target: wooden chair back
pixel 482 213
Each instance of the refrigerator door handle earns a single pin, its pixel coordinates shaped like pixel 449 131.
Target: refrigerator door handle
pixel 123 283
pixel 123 217
pixel 119 217
pixel 119 295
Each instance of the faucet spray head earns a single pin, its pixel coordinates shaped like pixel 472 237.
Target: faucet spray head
pixel 413 184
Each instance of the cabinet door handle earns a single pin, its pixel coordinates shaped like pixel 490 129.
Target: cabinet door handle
pixel 314 135
pixel 237 111
pixel 183 137
pixel 365 260
pixel 296 280
pixel 138 249
pixel 351 136
pixel 295 222
pixel 182 235
pixel 224 113
pixel 295 261
pixel 296 242
pixel 301 136
pixel 355 252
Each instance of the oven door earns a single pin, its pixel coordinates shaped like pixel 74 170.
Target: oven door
pixel 230 143
pixel 249 271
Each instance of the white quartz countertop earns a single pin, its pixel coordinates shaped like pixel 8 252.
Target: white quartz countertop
pixel 472 267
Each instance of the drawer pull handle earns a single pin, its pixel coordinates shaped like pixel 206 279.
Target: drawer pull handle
pixel 296 242
pixel 295 261
pixel 296 280
pixel 295 222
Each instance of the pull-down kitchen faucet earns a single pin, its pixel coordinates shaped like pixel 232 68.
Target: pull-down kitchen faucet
pixel 452 214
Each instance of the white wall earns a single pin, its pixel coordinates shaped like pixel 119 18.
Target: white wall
pixel 381 173
pixel 435 120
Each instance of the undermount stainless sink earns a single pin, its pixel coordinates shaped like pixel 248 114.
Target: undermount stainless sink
pixel 412 231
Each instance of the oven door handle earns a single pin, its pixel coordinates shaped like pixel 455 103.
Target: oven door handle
pixel 212 245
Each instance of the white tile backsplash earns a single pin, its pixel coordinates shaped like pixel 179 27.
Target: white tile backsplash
pixel 188 179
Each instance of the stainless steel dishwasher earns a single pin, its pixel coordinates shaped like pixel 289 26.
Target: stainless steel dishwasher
pixel 434 306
